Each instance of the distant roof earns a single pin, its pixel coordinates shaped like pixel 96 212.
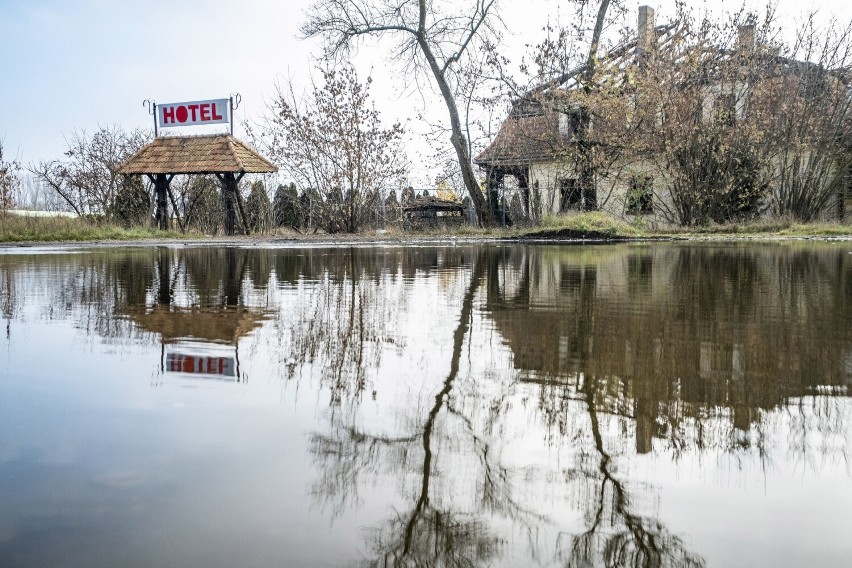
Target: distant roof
pixel 217 153
pixel 433 203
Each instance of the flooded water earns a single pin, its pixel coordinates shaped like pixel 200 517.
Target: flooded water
pixel 626 405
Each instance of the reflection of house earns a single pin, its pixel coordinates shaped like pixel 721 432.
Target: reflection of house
pixel 541 148
pixel 661 352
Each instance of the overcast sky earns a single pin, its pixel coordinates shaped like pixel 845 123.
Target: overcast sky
pixel 70 65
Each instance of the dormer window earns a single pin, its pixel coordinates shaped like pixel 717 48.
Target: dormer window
pixel 573 123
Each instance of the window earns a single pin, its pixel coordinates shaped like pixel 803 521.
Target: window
pixel 640 195
pixel 573 123
pixel 570 194
pixel 726 109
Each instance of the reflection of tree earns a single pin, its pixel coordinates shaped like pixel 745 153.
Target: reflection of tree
pixel 9 298
pixel 616 535
pixel 704 350
pixel 159 293
pixel 434 531
pixel 341 324
pixel 343 308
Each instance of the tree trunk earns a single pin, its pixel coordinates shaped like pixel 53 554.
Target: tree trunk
pixel 587 168
pixel 483 212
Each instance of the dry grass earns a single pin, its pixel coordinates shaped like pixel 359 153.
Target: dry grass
pixel 595 222
pixel 16 229
pixel 769 227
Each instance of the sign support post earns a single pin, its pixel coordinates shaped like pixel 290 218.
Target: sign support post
pixel 235 99
pixel 152 110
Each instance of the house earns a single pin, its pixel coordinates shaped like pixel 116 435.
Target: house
pixel 677 128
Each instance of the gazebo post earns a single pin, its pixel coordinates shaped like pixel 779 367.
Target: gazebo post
pixel 161 191
pixel 230 196
pixel 229 187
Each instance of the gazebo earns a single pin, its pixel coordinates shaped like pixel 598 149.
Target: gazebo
pixel 222 155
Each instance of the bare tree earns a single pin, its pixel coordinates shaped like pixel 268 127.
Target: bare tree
pixel 87 179
pixel 258 208
pixel 432 39
pixel 8 181
pixel 202 204
pixel 333 145
pixel 811 131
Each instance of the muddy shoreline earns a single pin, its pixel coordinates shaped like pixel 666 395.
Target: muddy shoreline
pixel 562 236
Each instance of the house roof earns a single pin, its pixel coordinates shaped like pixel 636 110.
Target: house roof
pixel 525 138
pixel 531 133
pixel 217 153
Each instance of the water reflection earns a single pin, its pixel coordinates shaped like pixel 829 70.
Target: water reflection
pixel 727 333
pixel 430 529
pixel 500 405
pixel 699 355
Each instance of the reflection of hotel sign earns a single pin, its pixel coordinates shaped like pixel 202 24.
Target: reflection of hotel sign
pixel 214 111
pixel 200 364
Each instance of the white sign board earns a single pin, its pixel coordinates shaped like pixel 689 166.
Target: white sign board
pixel 193 113
pixel 199 364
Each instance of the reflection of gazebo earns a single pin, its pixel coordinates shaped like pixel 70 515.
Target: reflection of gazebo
pixel 220 325
pixel 176 325
pixel 220 154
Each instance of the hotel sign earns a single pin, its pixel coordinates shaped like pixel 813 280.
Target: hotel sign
pixel 200 364
pixel 214 111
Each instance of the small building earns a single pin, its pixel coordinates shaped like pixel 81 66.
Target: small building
pixel 432 213
pixel 222 155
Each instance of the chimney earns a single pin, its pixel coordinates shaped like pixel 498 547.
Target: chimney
pixel 745 39
pixel 645 29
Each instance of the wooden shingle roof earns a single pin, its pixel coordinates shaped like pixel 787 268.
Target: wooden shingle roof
pixel 526 138
pixel 531 131
pixel 217 153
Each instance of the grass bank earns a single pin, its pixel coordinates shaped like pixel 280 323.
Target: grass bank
pixel 592 225
pixel 18 229
pixel 601 224
pixel 769 228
